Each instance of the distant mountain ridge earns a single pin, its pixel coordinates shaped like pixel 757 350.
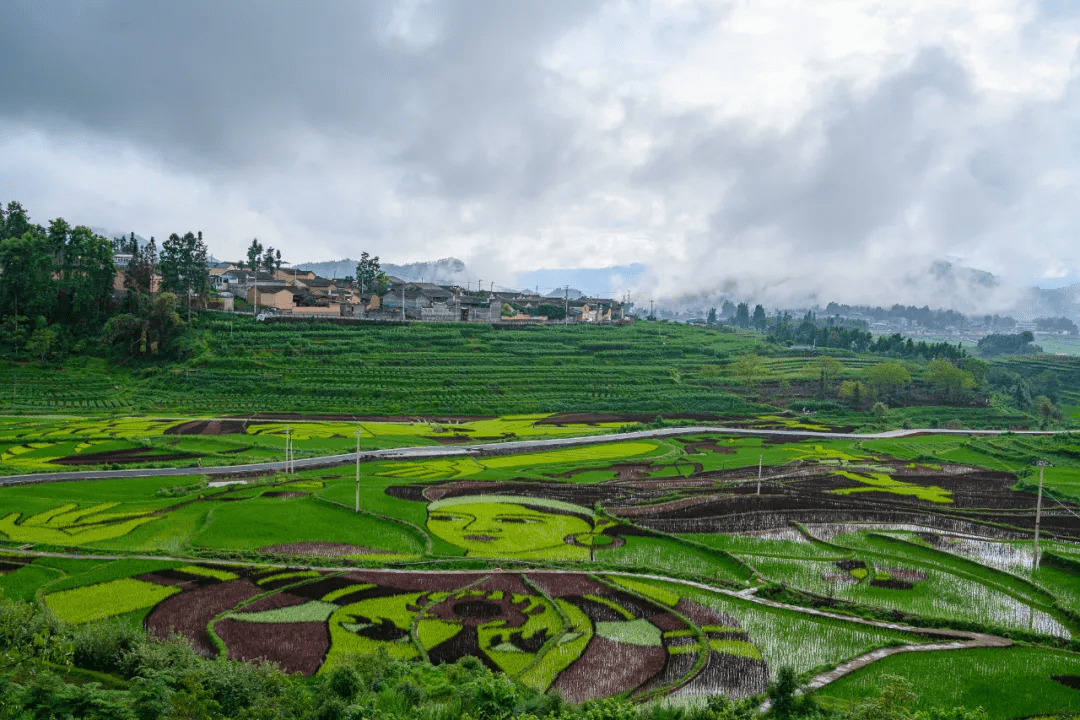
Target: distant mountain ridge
pixel 1059 302
pixel 448 271
pixel 943 285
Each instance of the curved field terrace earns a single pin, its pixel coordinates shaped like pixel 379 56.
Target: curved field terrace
pixel 656 567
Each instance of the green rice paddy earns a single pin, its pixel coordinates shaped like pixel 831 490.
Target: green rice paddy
pixel 1006 682
pixel 684 507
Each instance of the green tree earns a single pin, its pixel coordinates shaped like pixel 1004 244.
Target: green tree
pixel 139 274
pixel 855 392
pixel 183 266
pixel 887 378
pixel 742 315
pixel 152 330
pixel 711 318
pixel 255 258
pixel 16 222
pixel 41 342
pixel 369 274
pixel 83 273
pixel 759 317
pixel 978 368
pixel 782 693
pixel 26 276
pixel 1045 408
pixel 893 703
pixel 948 379
pixel 260 258
pixel 828 367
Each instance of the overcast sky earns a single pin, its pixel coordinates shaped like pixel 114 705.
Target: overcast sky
pixel 776 149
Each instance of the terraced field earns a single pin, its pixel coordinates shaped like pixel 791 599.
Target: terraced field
pixel 726 568
pixel 453 370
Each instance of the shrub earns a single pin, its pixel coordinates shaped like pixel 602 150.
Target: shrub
pixel 110 647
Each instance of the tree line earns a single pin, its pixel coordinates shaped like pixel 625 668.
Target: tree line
pixel 58 282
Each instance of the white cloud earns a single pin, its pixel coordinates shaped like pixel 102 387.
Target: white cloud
pixel 780 149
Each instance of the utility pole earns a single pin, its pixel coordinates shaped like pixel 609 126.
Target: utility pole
pixel 403 302
pixel 1038 515
pixel 358 469
pixel 288 447
pixel 759 474
pixel 566 305
pixel 650 310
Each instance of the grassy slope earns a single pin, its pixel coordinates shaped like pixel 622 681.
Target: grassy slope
pixel 448 369
pixel 1007 682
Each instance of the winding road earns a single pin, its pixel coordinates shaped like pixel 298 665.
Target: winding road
pixel 488 449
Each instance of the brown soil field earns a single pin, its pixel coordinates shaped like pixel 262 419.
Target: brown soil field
pixel 607 668
pixel 977 496
pixel 11 563
pixel 294 647
pixel 189 612
pixel 209 427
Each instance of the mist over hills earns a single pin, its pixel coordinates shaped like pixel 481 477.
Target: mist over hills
pixel 447 271
pixel 943 285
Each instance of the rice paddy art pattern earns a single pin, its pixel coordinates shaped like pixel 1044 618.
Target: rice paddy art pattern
pixel 586 636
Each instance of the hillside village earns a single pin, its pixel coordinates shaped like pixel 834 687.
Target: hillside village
pixel 290 292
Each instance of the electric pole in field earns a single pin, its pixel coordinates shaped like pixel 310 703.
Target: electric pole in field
pixel 759 474
pixel 1038 514
pixel 357 469
pixel 566 305
pixel 288 448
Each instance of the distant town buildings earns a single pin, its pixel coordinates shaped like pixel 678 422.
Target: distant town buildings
pixel 302 293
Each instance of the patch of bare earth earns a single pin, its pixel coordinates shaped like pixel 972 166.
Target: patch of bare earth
pixel 292 646
pixel 189 612
pixel 209 427
pixel 609 668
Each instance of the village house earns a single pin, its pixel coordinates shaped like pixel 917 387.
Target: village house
pixel 278 299
pixel 291 274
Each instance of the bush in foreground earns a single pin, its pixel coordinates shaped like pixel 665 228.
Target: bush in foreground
pixel 50 670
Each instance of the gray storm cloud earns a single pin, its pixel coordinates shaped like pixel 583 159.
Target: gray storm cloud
pixel 783 152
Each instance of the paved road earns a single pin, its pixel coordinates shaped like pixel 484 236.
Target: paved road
pixel 479 450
